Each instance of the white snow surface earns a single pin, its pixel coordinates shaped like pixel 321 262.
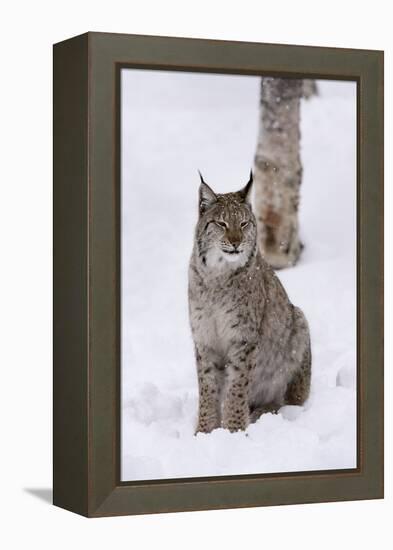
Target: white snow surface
pixel 172 125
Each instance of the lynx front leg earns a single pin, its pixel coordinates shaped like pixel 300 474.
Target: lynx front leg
pixel 235 404
pixel 210 385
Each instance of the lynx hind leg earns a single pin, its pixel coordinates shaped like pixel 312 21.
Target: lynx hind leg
pixel 298 388
pixel 257 412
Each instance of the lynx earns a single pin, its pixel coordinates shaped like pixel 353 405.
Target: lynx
pixel 252 346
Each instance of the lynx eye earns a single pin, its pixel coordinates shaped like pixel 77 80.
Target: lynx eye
pixel 244 224
pixel 221 223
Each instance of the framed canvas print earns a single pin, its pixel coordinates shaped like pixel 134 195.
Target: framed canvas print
pixel 218 274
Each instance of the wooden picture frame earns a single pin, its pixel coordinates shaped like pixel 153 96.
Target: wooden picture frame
pixel 86 274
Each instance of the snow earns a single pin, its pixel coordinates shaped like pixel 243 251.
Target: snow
pixel 172 125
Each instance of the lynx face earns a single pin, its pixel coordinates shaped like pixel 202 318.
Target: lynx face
pixel 226 229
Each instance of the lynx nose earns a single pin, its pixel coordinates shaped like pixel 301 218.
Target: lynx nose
pixel 235 242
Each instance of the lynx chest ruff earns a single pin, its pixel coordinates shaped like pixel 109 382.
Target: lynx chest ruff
pixel 218 315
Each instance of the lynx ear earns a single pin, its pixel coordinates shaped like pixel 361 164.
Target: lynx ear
pixel 245 193
pixel 207 197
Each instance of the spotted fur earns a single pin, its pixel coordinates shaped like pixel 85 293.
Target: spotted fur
pixel 252 346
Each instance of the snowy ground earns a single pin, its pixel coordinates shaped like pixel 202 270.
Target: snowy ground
pixel 173 124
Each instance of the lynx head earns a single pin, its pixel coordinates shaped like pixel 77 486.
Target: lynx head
pixel 226 229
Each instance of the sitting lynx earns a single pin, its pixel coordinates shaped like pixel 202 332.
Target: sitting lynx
pixel 252 345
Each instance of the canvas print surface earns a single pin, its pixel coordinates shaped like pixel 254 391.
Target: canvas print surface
pixel 238 290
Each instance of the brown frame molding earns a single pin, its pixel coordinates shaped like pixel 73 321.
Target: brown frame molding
pixel 87 274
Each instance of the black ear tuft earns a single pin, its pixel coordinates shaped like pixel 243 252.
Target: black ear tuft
pixel 201 177
pixel 207 197
pixel 245 193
